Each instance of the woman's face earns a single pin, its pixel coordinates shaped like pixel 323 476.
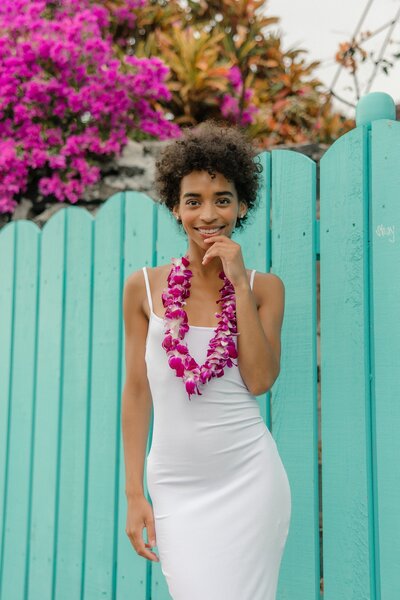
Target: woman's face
pixel 208 203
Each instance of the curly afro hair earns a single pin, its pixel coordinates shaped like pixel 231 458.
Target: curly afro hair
pixel 215 147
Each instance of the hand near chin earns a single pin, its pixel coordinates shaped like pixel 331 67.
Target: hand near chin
pixel 230 253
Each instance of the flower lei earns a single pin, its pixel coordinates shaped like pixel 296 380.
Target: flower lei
pixel 221 348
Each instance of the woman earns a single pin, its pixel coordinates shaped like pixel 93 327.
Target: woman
pixel 220 495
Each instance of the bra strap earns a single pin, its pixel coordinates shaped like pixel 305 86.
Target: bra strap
pixel 252 278
pixel 146 278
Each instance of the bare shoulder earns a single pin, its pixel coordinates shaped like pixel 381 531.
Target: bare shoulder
pixel 135 287
pixel 158 272
pixel 270 291
pixel 135 283
pixel 134 290
pixel 136 328
pixel 268 285
pixel 270 282
pixel 133 280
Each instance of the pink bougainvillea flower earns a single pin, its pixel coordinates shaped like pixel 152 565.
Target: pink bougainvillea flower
pixel 66 100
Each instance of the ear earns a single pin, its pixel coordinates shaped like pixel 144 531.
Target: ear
pixel 242 209
pixel 175 211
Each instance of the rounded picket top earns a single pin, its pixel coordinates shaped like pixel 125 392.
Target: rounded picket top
pixel 375 106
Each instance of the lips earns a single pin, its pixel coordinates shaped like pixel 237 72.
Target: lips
pixel 209 232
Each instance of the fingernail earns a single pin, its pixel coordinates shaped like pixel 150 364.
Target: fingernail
pixel 153 542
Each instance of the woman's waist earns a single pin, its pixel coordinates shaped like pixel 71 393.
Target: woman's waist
pixel 206 437
pixel 212 411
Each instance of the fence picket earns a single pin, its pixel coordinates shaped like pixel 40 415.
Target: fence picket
pixel 345 369
pixel 294 395
pixel 385 295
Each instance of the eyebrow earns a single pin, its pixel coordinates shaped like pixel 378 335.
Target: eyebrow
pixel 227 193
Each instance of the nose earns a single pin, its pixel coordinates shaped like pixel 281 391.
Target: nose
pixel 208 214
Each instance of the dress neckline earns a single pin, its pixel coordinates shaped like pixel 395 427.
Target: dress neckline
pixel 161 319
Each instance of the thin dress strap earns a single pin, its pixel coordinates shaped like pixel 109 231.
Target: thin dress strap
pixel 146 278
pixel 252 278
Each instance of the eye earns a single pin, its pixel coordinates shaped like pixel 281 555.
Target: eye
pixel 226 199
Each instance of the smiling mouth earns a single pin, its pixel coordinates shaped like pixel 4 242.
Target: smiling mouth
pixel 210 231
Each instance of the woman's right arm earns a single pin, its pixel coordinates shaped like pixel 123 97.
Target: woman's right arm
pixel 136 415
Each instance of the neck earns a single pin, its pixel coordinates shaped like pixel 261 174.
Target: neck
pixel 209 270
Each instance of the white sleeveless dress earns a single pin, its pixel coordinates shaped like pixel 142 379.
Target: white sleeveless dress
pixel 220 493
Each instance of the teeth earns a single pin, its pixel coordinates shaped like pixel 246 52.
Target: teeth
pixel 209 230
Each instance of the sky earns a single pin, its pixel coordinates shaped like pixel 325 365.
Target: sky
pixel 320 25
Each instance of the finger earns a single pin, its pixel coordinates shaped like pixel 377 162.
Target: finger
pixel 207 258
pixel 151 532
pixel 211 253
pixel 216 247
pixel 140 547
pixel 155 557
pixel 215 237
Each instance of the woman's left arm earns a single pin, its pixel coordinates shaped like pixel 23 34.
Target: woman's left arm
pixel 259 344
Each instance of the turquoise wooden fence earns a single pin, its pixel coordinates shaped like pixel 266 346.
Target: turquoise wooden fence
pixel 63 506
